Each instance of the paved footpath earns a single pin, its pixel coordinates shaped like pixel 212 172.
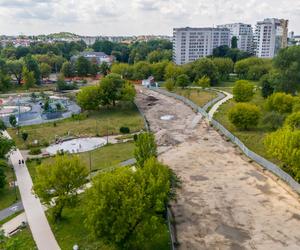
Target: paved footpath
pixel 14 208
pixel 40 228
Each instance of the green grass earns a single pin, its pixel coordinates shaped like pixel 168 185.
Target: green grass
pixel 21 240
pixel 253 138
pixel 97 123
pixel 200 97
pixel 8 194
pixel 108 156
pixel 71 230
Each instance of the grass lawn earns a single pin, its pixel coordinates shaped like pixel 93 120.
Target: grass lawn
pixel 70 230
pixel 21 89
pixel 97 123
pixel 253 139
pixel 105 157
pixel 8 194
pixel 200 97
pixel 22 240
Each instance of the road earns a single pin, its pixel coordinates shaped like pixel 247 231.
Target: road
pixel 36 217
pixel 225 201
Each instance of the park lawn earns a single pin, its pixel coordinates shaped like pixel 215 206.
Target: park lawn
pixel 21 240
pixel 105 157
pixel 70 230
pixel 98 123
pixel 198 96
pixel 8 195
pixel 253 138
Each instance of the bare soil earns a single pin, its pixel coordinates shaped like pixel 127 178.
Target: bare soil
pixel 225 201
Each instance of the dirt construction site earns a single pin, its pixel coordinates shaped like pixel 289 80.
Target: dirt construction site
pixel 225 201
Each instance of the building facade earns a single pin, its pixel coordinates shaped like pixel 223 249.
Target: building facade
pixel 189 44
pixel 95 57
pixel 270 36
pixel 243 33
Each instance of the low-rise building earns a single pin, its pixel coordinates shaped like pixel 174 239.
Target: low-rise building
pixel 95 57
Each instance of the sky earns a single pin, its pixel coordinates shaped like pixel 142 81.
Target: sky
pixel 136 17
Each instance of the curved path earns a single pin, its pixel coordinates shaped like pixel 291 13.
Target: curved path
pixel 225 202
pixel 214 108
pixel 40 228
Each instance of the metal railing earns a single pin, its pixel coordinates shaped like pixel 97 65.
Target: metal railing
pixel 273 168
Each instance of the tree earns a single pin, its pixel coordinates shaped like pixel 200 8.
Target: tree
pixel 89 98
pixel 273 120
pixel 169 85
pixel 59 181
pixel 5 83
pixel 266 86
pixel 141 70
pixel 204 67
pixel 128 92
pixel 83 66
pixel 293 121
pixel 203 82
pixel 68 69
pixel 29 79
pixel 2 126
pixel 125 207
pixel 244 115
pixel 145 148
pixel 243 91
pixel 158 70
pixel 234 41
pixel 172 71
pixel 103 46
pixel 224 66
pixel 287 63
pixel 15 67
pixel 32 66
pixel 123 69
pixel 280 102
pixel 13 121
pixel 45 70
pixel 94 69
pixel 182 81
pixel 104 68
pixel 24 136
pixel 5 146
pixel 2 175
pixel 111 89
pixel 159 55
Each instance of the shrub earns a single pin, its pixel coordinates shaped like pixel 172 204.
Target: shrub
pixel 203 82
pixel 293 121
pixel 244 115
pixel 182 81
pixel 280 102
pixel 124 130
pixel 273 120
pixel 35 151
pixel 170 85
pixel 243 91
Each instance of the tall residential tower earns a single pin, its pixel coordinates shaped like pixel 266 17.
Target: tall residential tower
pixel 243 33
pixel 189 44
pixel 270 36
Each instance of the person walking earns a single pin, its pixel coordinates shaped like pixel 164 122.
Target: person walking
pixel 23 162
pixel 19 162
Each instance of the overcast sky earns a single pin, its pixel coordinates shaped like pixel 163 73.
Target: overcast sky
pixel 136 17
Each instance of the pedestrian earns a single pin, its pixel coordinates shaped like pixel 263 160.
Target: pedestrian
pixel 19 162
pixel 23 162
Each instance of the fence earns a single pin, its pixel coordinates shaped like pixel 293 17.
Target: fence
pixel 252 155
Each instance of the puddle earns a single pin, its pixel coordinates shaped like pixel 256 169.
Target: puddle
pixel 167 117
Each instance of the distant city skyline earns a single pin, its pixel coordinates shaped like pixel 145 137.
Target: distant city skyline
pixel 136 17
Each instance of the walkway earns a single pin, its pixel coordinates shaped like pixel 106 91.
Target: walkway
pixel 14 208
pixel 225 202
pixel 219 103
pixel 36 217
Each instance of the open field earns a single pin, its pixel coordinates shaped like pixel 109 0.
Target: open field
pixel 225 201
pixel 98 123
pixel 200 97
pixel 108 156
pixel 8 194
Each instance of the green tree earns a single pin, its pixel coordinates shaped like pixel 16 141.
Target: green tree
pixel 169 85
pixel 125 207
pixel 172 71
pixel 158 70
pixel 15 67
pixel 145 148
pixel 45 70
pixel 204 67
pixel 141 70
pixel 13 121
pixel 203 82
pixel 2 175
pixel 266 86
pixel 234 41
pixel 5 146
pixel 293 121
pixel 123 69
pixel 243 91
pixel 104 68
pixel 224 66
pixel 2 126
pixel 182 81
pixel 159 55
pixel 280 102
pixel 24 136
pixel 89 98
pixel 244 115
pixel 29 79
pixel 128 92
pixel 68 69
pixel 60 181
pixel 103 46
pixel 32 66
pixel 5 83
pixel 273 120
pixel 83 66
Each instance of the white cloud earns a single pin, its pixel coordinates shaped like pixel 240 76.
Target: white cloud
pixel 119 17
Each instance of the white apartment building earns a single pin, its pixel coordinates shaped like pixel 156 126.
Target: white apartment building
pixel 189 44
pixel 243 33
pixel 270 36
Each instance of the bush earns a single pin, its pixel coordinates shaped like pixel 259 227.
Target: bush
pixel 170 85
pixel 124 130
pixel 182 81
pixel 203 82
pixel 273 120
pixel 243 91
pixel 293 121
pixel 35 151
pixel 280 102
pixel 244 115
